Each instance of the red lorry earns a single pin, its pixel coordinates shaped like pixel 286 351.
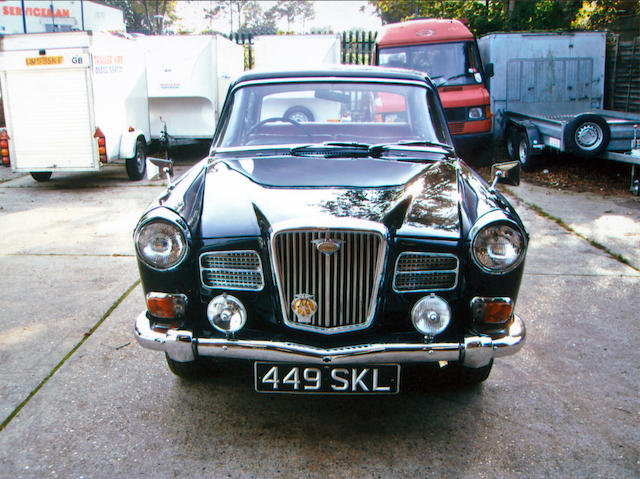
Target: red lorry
pixel 447 51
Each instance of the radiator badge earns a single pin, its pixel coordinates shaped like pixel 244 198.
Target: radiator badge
pixel 327 246
pixel 304 307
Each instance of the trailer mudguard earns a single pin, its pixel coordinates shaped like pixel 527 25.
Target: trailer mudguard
pixel 128 143
pixel 535 140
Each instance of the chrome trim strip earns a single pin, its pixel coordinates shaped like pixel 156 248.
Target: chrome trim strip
pixel 341 225
pixel 202 269
pixel 330 79
pixel 474 351
pixel 422 253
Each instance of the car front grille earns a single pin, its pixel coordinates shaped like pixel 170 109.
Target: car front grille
pixel 342 285
pixel 425 272
pixel 240 270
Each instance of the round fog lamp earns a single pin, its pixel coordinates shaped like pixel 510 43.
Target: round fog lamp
pixel 431 315
pixel 226 313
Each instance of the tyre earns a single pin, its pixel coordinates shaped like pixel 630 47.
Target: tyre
pixel 465 376
pixel 587 135
pixel 512 147
pixel 523 150
pixel 137 166
pixel 41 176
pixel 299 114
pixel 196 369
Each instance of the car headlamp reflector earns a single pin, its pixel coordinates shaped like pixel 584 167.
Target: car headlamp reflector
pixel 160 244
pixel 431 315
pixel 476 113
pixel 498 248
pixel 226 313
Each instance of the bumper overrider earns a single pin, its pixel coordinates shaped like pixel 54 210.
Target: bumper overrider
pixel 474 351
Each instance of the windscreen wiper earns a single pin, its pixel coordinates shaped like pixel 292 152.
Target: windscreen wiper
pixel 332 149
pixel 378 150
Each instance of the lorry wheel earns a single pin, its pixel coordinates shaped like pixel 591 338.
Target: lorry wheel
pixel 587 135
pixel 190 369
pixel 41 175
pixel 299 114
pixel 523 150
pixel 137 166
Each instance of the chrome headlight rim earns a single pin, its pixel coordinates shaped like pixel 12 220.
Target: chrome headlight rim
pixel 163 215
pixel 493 219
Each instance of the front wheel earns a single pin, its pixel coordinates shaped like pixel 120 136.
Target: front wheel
pixel 137 166
pixel 466 376
pixel 195 369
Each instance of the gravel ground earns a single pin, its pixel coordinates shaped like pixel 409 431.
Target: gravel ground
pixel 563 171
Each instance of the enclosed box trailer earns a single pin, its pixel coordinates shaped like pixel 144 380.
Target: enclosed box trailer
pixel 74 101
pixel 548 92
pixel 187 80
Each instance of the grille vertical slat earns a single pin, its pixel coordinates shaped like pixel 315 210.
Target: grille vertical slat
pixel 343 284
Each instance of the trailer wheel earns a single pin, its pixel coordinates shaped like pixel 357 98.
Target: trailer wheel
pixel 512 146
pixel 41 176
pixel 587 135
pixel 137 166
pixel 522 150
pixel 299 114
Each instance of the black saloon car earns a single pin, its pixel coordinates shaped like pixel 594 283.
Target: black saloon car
pixel 331 237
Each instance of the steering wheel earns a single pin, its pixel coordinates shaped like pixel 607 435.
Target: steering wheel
pixel 274 119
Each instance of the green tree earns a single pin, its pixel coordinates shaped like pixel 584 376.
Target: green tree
pixel 486 16
pixel 146 16
pixel 292 9
pixel 232 9
pixel 257 21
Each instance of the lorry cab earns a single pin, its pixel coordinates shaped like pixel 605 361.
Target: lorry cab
pixel 446 51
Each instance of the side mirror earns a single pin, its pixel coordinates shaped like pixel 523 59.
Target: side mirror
pixel 507 173
pixel 488 70
pixel 164 165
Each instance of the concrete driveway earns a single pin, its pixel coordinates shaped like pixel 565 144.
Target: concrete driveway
pixel 100 406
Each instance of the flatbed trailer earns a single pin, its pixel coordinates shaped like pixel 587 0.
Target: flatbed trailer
pixel 548 93
pixel 604 134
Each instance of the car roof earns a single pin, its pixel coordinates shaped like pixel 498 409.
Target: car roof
pixel 337 71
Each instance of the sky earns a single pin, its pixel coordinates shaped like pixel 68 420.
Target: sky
pixel 338 15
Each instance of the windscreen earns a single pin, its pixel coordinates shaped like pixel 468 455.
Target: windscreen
pixel 317 112
pixel 455 63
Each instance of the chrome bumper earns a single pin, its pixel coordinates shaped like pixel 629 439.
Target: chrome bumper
pixel 475 351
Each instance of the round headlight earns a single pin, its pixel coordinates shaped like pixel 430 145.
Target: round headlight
pixel 161 244
pixel 431 315
pixel 226 313
pixel 498 248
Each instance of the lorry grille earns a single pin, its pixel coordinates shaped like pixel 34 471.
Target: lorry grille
pixel 240 270
pixel 343 284
pixel 425 272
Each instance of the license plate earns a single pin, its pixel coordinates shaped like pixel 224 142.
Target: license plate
pixel 305 379
pixel 34 61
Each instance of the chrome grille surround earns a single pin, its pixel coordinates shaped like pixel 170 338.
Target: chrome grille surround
pixel 291 248
pixel 236 270
pixel 422 272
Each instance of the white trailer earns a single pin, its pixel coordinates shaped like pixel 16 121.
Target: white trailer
pixel 295 51
pixel 547 92
pixel 74 101
pixel 187 79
